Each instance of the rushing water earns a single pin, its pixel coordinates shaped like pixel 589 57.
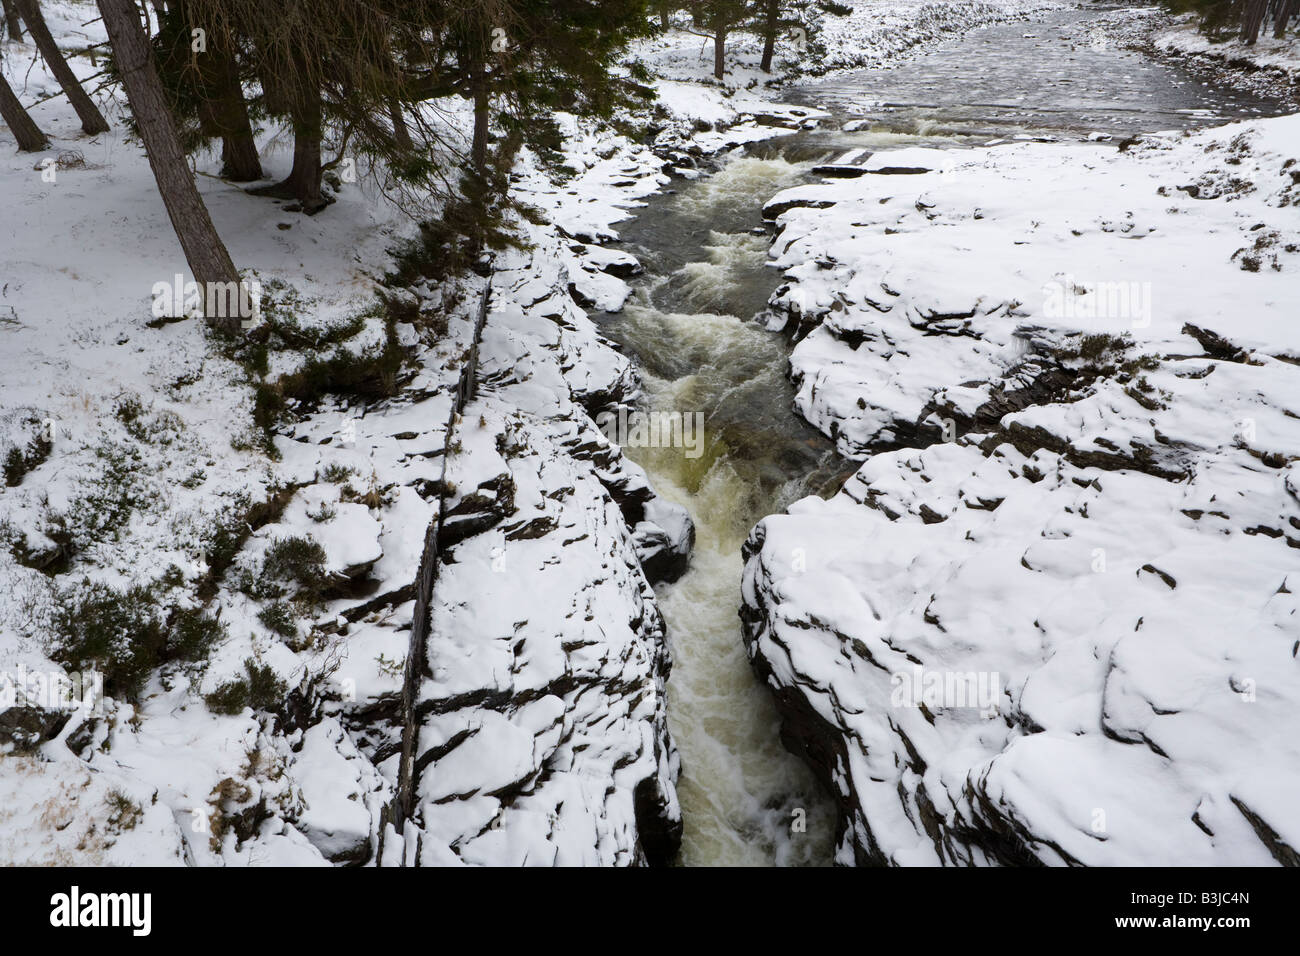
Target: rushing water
pixel 690 328
pixel 691 334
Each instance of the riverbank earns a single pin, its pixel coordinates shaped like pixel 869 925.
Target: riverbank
pixel 264 513
pixel 1050 618
pixel 1278 59
pixel 1270 67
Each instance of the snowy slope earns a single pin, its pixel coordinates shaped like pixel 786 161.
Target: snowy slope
pixel 1266 53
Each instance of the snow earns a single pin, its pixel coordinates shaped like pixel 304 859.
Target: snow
pixel 1016 242
pixel 543 735
pixel 1266 53
pixel 1115 549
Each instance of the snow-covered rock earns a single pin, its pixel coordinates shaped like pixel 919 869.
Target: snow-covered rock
pixel 1052 617
pixel 109 415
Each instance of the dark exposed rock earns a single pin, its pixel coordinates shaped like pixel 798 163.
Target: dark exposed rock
pixel 1282 851
pixel 25 726
pixel 774 210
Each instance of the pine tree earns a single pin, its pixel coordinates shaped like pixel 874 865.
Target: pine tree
pixel 92 120
pixel 664 9
pixel 26 132
pixel 204 251
pixel 522 61
pixel 1285 11
pixel 771 25
pixel 201 73
pixel 330 67
pixel 1244 18
pixel 717 19
pixel 12 20
pixel 1253 19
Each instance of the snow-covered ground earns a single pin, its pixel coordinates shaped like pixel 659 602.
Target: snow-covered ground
pixel 135 461
pixel 1052 617
pixel 1267 53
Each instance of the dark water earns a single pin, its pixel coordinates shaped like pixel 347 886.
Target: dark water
pixel 1064 76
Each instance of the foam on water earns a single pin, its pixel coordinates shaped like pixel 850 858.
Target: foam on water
pixel 699 351
pixel 741 790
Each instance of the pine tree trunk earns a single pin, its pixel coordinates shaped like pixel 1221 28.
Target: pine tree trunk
pixel 481 95
pixel 482 117
pixel 239 159
pixel 719 52
pixel 29 135
pixel 771 20
pixel 1285 11
pixel 12 20
pixel 92 120
pixel 1253 20
pixel 305 177
pixel 302 101
pixel 204 251
pixel 401 134
pixel 308 128
pixel 220 93
pixel 229 114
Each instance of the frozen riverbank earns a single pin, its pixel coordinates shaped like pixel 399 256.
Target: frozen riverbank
pixel 1050 619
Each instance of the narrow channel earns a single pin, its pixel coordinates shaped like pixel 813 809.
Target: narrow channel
pixel 692 330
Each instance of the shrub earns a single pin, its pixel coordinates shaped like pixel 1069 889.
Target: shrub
pixel 259 689
pixel 299 561
pixel 19 460
pixel 193 634
pixel 1093 347
pixel 15 467
pixel 278 618
pixel 129 412
pixel 123 812
pixel 336 474
pixel 119 633
pixel 326 512
pixel 124 635
pixel 112 498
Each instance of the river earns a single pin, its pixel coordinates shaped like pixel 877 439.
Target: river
pixel 691 329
